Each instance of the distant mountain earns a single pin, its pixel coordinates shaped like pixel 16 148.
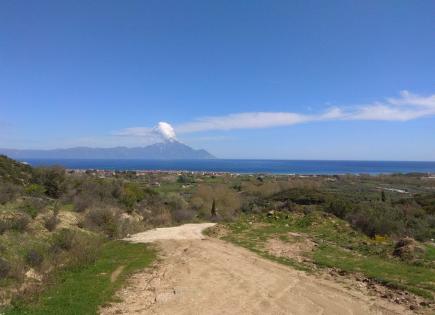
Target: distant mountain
pixel 170 149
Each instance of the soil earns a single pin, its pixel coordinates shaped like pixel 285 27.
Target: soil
pixel 199 275
pixel 296 248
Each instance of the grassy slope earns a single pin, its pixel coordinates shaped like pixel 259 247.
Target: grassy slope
pixel 83 290
pixel 339 247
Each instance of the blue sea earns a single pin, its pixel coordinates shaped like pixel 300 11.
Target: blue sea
pixel 246 166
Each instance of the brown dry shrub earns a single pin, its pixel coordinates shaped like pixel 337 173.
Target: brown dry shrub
pixel 5 267
pixel 228 201
pixel 183 215
pixel 105 220
pixel 160 216
pixel 51 222
pixel 74 248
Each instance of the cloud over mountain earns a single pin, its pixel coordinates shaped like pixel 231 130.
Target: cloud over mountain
pixel 163 131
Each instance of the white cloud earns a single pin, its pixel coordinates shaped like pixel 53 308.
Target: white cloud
pixel 134 132
pixel 163 131
pixel 408 98
pixel 242 121
pixel 409 106
pixel 406 107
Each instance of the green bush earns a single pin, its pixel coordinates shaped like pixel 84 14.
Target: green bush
pixel 52 179
pixel 20 223
pixel 30 210
pixel 63 240
pixel 35 190
pixel 131 193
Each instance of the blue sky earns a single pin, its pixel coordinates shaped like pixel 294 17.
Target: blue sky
pixel 242 79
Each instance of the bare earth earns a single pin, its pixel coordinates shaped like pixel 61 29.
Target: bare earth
pixel 197 275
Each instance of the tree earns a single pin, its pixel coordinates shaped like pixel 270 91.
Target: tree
pixel 52 179
pixel 383 197
pixel 213 209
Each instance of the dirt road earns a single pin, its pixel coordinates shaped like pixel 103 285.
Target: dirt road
pixel 209 276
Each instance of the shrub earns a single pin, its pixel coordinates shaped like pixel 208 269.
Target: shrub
pixel 338 207
pixel 377 218
pixel 8 192
pixel 34 258
pixel 160 216
pixel 103 219
pixel 30 210
pixel 131 193
pixel 5 267
pixel 175 201
pixel 20 223
pixel 127 226
pixel 227 201
pixel 76 248
pixel 51 222
pixel 82 202
pixel 35 190
pixel 32 206
pixel 4 226
pixel 183 215
pixel 84 249
pixel 62 240
pixel 185 179
pixel 52 179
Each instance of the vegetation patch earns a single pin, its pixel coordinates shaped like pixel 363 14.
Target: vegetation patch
pixel 332 244
pixel 82 289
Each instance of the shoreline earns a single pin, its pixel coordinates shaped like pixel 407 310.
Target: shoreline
pixel 243 167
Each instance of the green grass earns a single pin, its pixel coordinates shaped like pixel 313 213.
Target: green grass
pixel 340 247
pixel 82 290
pixel 254 239
pixel 392 272
pixel 430 253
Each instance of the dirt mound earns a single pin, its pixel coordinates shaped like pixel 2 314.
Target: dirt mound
pixel 217 231
pixel 296 247
pixel 408 249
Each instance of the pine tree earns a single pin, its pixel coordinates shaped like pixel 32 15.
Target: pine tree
pixel 383 197
pixel 213 209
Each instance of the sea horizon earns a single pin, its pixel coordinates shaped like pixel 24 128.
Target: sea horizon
pixel 245 166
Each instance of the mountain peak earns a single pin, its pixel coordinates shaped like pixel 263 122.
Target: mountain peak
pixel 169 149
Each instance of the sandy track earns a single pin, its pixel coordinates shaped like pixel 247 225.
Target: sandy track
pixel 214 277
pixel 182 232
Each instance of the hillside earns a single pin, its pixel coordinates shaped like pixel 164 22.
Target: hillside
pixel 13 171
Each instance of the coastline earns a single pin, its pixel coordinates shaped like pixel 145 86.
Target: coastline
pixel 245 167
